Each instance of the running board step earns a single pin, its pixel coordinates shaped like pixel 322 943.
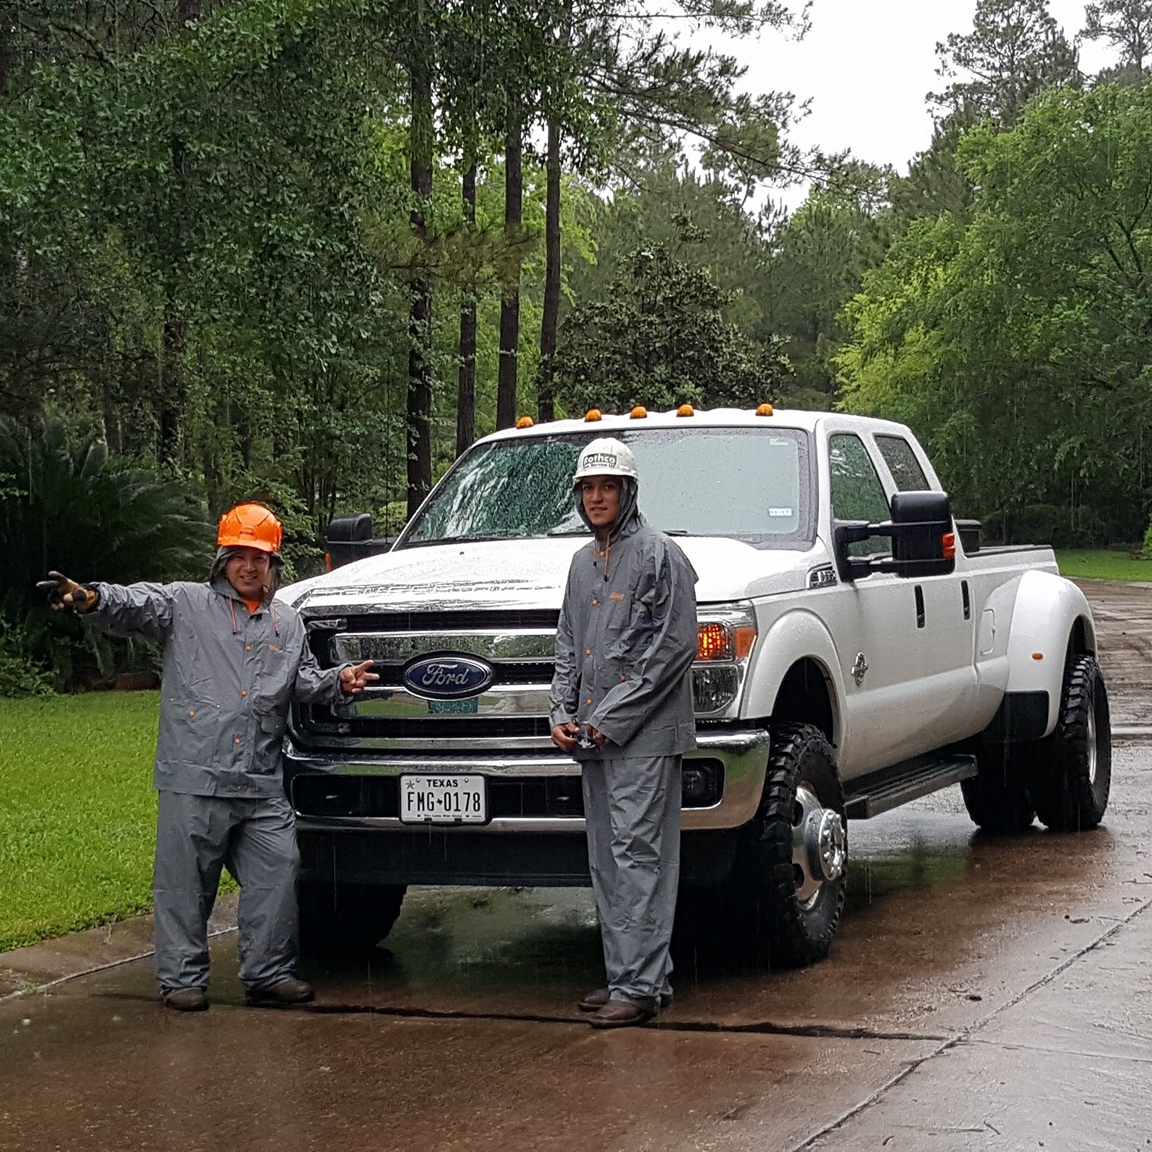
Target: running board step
pixel 870 795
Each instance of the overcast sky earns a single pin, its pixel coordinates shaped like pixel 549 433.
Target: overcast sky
pixel 867 65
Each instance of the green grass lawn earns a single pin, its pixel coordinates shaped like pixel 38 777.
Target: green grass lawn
pixel 1102 564
pixel 77 812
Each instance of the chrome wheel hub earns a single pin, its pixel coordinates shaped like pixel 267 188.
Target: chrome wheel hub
pixel 1091 742
pixel 819 845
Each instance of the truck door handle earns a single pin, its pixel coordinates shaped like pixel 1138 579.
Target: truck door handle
pixel 966 597
pixel 919 606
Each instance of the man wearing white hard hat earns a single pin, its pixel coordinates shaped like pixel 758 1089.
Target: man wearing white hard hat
pixel 622 706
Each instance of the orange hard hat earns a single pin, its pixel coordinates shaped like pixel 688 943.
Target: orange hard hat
pixel 250 526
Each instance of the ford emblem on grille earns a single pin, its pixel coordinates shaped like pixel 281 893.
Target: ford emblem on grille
pixel 447 676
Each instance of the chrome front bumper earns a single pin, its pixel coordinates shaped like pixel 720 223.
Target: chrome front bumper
pixel 742 752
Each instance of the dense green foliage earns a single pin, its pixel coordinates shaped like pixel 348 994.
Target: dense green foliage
pixel 1018 343
pixel 77 827
pixel 305 250
pixel 659 339
pixel 66 506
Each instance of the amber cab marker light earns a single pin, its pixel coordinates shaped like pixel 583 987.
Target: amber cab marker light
pixel 592 415
pixel 1037 655
pixel 685 410
pixel 764 410
pixel 713 642
pixel 639 412
pixel 525 422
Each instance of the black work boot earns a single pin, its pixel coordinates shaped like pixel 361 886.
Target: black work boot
pixel 283 994
pixel 185 999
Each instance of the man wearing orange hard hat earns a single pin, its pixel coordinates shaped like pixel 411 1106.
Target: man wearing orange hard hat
pixel 234 660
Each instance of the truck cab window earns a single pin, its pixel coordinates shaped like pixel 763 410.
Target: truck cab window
pixel 902 463
pixel 856 491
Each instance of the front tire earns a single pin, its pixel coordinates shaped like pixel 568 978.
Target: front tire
pixel 346 919
pixel 792 870
pixel 1072 772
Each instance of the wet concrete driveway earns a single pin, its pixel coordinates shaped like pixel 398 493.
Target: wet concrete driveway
pixel 983 994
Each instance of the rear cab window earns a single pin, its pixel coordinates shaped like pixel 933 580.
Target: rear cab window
pixel 900 457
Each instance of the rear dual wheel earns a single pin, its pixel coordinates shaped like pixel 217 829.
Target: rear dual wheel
pixel 1071 770
pixel 997 797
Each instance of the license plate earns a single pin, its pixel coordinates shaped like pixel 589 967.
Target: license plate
pixel 443 800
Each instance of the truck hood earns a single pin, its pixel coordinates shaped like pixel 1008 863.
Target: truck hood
pixel 526 574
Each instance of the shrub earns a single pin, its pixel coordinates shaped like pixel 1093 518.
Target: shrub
pixel 65 504
pixel 20 675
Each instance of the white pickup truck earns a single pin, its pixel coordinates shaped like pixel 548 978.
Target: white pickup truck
pixel 857 649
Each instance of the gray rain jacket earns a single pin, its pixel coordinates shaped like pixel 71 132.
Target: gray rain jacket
pixel 228 678
pixel 626 640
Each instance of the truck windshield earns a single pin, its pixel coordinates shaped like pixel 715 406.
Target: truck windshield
pixel 746 483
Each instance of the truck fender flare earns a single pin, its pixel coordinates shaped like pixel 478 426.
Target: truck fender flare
pixel 1048 617
pixel 797 635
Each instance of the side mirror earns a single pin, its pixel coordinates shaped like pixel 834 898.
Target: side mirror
pixel 346 539
pixel 923 539
pixel 925 543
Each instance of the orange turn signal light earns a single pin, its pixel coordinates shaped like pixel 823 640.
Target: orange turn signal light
pixel 948 544
pixel 713 642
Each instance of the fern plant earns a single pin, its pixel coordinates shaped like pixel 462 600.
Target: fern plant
pixel 67 505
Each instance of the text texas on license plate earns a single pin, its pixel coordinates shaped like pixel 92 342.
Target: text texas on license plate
pixel 453 799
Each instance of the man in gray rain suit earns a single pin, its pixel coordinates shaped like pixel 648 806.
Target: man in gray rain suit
pixel 234 659
pixel 622 705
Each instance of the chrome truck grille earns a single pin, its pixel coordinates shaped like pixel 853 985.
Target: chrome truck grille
pixel 417 702
pixel 345 763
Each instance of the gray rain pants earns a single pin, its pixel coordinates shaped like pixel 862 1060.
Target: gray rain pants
pixel 632 814
pixel 255 839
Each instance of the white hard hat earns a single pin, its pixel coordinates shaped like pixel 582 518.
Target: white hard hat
pixel 606 457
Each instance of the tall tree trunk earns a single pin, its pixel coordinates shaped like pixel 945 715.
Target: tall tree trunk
pixel 510 299
pixel 174 392
pixel 551 315
pixel 5 54
pixel 419 413
pixel 174 375
pixel 466 381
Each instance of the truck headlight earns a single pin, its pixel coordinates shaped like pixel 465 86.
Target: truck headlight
pixel 725 638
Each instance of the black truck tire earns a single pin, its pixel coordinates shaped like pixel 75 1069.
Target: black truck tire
pixel 791 870
pixel 1071 772
pixel 997 796
pixel 346 919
